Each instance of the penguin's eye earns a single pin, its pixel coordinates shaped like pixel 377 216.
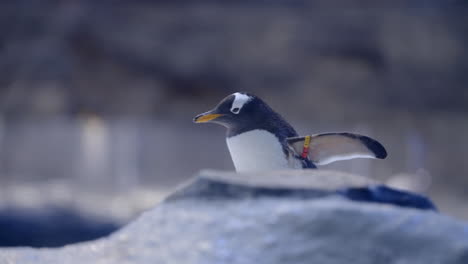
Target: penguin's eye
pixel 235 110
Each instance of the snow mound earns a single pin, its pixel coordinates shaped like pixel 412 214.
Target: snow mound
pixel 195 226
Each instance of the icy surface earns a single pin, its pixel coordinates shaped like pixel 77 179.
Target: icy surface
pixel 198 229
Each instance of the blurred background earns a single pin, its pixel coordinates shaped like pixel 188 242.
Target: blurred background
pixel 97 98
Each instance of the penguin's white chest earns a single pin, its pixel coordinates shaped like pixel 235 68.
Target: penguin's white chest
pixel 258 150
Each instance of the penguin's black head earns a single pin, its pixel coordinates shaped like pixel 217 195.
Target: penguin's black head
pixel 241 112
pixel 233 110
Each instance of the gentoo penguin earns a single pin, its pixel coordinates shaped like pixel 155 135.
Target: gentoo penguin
pixel 258 138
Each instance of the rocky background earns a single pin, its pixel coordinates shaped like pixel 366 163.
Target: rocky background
pixel 98 96
pixel 141 57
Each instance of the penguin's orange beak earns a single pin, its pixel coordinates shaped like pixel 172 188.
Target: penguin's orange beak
pixel 206 117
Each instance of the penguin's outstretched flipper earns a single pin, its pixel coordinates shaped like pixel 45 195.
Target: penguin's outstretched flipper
pixel 330 147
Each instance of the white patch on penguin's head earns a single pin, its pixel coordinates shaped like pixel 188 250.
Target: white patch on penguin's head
pixel 240 99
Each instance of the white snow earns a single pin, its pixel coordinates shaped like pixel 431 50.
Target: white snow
pixel 269 230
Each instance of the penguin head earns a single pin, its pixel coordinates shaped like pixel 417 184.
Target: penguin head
pixel 235 110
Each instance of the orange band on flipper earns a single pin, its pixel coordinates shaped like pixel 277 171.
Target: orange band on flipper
pixel 305 150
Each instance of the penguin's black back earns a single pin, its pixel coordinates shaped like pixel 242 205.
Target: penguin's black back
pixel 263 117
